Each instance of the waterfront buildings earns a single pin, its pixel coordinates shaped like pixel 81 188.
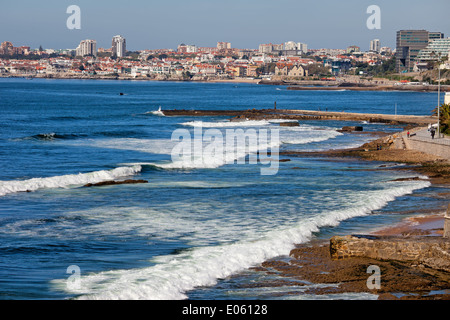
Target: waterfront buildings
pixel 409 45
pixel 119 46
pixel 285 60
pixel 437 48
pixel 290 69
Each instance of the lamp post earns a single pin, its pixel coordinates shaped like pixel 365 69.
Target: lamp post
pixel 439 98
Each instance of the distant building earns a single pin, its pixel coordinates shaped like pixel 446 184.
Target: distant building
pixel 183 48
pixel 352 49
pixel 303 47
pixel 6 48
pixel 375 45
pixel 385 50
pixel 288 48
pixel 339 66
pixel 435 35
pixel 290 45
pixel 86 48
pixel 266 48
pixel 290 70
pixel 436 48
pixel 295 48
pixel 119 46
pixel 223 45
pixel 409 44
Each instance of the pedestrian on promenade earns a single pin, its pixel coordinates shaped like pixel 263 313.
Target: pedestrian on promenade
pixel 433 131
pixel 407 134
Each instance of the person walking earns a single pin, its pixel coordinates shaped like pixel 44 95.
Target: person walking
pixel 433 132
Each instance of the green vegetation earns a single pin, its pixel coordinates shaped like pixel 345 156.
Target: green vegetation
pixel 381 70
pixel 318 70
pixel 444 118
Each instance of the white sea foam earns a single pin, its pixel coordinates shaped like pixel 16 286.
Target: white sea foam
pixel 305 135
pixel 65 181
pixel 226 124
pixel 154 146
pixel 237 152
pixel 156 112
pixel 243 123
pixel 174 275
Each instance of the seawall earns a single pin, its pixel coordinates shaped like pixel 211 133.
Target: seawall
pixel 435 147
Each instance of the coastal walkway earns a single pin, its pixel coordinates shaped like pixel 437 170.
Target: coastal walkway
pixel 420 139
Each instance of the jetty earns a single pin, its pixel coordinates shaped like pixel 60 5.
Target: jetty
pixel 267 114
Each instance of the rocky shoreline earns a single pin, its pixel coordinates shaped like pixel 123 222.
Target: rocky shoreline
pixel 400 279
pixel 313 263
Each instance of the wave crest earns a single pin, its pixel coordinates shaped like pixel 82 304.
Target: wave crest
pixel 64 181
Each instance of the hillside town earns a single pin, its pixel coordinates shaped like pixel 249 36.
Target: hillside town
pixel 276 62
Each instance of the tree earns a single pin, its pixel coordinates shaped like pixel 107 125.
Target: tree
pixel 318 69
pixel 41 49
pixel 444 119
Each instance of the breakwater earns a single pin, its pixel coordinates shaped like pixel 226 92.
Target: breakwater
pixel 260 114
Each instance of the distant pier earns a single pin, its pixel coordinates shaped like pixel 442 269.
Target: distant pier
pixel 261 114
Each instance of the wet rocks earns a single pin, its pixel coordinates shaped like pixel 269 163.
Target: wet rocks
pixel 290 124
pixel 351 129
pixel 112 182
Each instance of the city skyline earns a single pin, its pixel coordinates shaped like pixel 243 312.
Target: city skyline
pixel 246 24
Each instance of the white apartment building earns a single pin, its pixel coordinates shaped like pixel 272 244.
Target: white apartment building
pixel 375 45
pixel 298 46
pixel 87 47
pixel 436 48
pixel 119 46
pixel 223 45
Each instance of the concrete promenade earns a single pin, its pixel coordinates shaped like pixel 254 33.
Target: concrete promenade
pixel 420 139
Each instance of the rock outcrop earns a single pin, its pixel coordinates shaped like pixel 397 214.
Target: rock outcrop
pixel 112 182
pixel 432 252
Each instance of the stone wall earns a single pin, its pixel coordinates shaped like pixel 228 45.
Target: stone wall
pixel 440 150
pixel 447 227
pixel 433 252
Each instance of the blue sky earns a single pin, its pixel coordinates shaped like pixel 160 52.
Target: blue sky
pixel 244 23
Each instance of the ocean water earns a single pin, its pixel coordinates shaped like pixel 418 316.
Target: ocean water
pixel 194 230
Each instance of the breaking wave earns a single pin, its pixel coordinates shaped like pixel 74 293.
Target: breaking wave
pixel 173 276
pixel 52 136
pixel 225 124
pixel 65 181
pixel 156 112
